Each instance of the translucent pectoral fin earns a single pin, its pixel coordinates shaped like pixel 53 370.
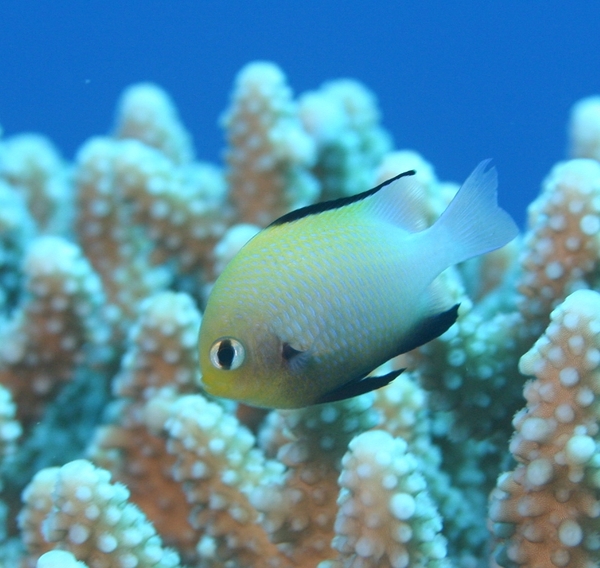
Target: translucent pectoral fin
pixel 355 387
pixel 295 359
pixel 288 352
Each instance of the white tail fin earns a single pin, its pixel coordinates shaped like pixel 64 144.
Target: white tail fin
pixel 474 223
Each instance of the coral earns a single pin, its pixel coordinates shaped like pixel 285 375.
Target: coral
pixel 584 128
pixel 301 513
pixel 546 511
pixel 92 518
pixel 109 447
pixel 10 429
pixel 60 317
pixel 184 207
pixel 160 363
pixel 31 165
pixel 59 559
pixel 385 516
pixel 147 113
pixel 270 154
pixel 220 470
pixel 343 119
pixel 17 228
pixel 121 257
pixel 562 248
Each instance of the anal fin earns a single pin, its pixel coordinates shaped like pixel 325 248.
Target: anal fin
pixel 429 329
pixel 357 387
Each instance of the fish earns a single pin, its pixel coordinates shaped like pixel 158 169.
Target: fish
pixel 323 296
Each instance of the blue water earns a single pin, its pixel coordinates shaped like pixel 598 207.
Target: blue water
pixel 457 81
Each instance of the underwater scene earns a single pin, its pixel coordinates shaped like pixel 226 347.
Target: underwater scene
pixel 401 368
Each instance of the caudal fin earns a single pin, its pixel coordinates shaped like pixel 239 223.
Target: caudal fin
pixel 474 223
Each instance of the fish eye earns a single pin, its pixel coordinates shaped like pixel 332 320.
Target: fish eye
pixel 227 354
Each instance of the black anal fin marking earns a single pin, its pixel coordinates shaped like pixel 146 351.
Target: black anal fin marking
pixel 354 388
pixel 429 329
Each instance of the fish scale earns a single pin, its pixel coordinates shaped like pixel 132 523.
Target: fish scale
pixel 341 314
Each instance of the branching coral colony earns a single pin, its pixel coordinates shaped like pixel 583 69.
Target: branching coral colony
pixel 111 456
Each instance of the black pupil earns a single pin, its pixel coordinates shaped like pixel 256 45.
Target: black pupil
pixel 225 354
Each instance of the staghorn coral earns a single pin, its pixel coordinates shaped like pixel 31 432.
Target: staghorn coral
pixel 301 513
pixel 104 267
pixel 61 316
pixel 385 516
pixel 146 113
pixel 10 429
pixel 546 512
pixel 270 154
pixel 584 128
pixel 32 166
pixel 17 228
pixel 343 119
pixel 219 470
pixel 92 518
pixel 59 559
pixel 160 362
pixel 121 257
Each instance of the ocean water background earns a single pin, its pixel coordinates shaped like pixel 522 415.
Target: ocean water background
pixel 456 81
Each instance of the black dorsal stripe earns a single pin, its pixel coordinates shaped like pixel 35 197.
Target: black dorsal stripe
pixel 334 203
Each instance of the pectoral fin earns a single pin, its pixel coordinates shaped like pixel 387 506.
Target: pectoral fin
pixel 288 352
pixel 294 358
pixel 360 386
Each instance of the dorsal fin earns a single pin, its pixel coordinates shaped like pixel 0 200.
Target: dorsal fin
pixel 401 203
pixel 334 203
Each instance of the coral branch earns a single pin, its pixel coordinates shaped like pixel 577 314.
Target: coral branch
pixel 270 154
pixel 546 511
pixel 42 343
pixel 385 517
pixel 92 519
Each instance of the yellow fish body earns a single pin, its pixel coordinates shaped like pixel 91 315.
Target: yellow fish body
pixel 324 295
